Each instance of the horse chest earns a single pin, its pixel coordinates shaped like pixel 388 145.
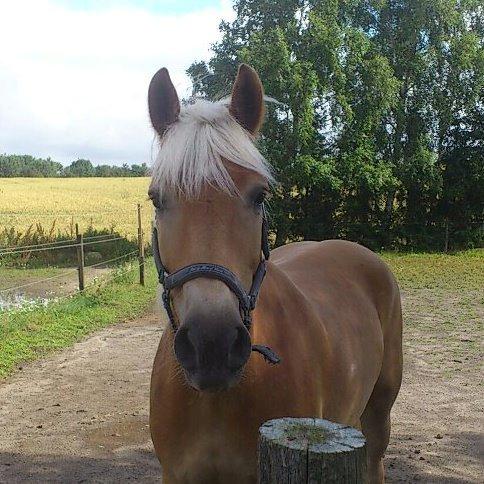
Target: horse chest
pixel 211 452
pixel 198 440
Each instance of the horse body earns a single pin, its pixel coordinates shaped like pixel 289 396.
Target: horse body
pixel 331 310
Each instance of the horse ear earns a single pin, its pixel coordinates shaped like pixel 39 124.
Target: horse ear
pixel 247 104
pixel 163 103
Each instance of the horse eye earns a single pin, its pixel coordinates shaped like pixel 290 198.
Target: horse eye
pixel 259 199
pixel 157 203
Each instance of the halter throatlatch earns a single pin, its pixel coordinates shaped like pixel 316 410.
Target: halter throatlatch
pixel 247 300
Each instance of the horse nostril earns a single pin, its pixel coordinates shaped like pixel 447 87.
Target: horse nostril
pixel 214 352
pixel 185 351
pixel 240 350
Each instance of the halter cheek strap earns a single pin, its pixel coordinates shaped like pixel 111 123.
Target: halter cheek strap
pixel 247 301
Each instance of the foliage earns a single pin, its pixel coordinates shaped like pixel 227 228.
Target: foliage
pixel 376 134
pixel 29 166
pixel 26 165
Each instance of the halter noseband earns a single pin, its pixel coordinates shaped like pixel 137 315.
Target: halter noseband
pixel 247 301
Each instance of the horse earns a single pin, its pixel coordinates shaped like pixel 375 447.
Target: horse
pixel 326 314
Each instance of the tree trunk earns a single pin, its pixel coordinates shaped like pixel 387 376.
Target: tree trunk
pixel 309 450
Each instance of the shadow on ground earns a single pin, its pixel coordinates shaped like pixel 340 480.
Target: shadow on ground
pixel 429 464
pixel 135 465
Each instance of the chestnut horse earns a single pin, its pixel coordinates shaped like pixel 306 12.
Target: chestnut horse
pixel 329 310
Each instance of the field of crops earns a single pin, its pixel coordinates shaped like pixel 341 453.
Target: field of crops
pixel 100 202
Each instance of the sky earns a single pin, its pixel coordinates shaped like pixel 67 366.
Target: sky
pixel 74 75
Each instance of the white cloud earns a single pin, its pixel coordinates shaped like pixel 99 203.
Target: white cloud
pixel 73 83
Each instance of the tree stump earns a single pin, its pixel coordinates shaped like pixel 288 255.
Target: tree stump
pixel 310 450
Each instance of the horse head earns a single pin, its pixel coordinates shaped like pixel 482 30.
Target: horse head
pixel 208 187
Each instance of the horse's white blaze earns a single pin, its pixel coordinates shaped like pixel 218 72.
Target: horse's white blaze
pixel 194 147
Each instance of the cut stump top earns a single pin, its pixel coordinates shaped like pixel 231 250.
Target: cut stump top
pixel 312 434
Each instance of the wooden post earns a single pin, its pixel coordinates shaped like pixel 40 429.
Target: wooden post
pixel 141 250
pixel 310 450
pixel 446 243
pixel 80 258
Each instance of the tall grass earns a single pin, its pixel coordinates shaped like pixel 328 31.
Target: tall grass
pixel 52 239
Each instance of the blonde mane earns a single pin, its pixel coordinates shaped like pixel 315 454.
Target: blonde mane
pixel 193 149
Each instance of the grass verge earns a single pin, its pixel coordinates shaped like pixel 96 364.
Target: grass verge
pixel 29 334
pixel 460 271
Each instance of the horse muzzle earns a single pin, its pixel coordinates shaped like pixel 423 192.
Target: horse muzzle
pixel 212 351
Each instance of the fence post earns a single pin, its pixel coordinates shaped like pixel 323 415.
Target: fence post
pixel 80 258
pixel 446 242
pixel 141 250
pixel 310 450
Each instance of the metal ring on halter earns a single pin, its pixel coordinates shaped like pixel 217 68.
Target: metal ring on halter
pixel 247 301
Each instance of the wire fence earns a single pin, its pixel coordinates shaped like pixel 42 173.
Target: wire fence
pixel 79 244
pixel 40 281
pixel 25 249
pixel 114 259
pixel 66 273
pixel 53 243
pixel 105 279
pixel 97 283
pixel 45 244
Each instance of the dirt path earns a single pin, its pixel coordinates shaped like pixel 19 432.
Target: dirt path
pixel 82 416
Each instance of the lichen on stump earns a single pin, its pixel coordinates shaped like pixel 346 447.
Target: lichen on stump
pixel 310 450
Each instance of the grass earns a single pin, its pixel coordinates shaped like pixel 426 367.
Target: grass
pixel 102 202
pixel 29 334
pixel 443 307
pixel 460 271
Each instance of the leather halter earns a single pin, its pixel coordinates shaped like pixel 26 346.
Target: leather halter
pixel 247 300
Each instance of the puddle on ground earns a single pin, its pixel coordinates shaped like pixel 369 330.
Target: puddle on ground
pixel 114 436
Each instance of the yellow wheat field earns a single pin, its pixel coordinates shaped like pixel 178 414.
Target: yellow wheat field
pixel 104 202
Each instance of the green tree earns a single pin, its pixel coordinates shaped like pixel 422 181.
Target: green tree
pixel 28 166
pixel 369 127
pixel 80 168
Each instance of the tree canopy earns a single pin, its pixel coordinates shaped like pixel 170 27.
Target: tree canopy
pixel 376 131
pixel 29 166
